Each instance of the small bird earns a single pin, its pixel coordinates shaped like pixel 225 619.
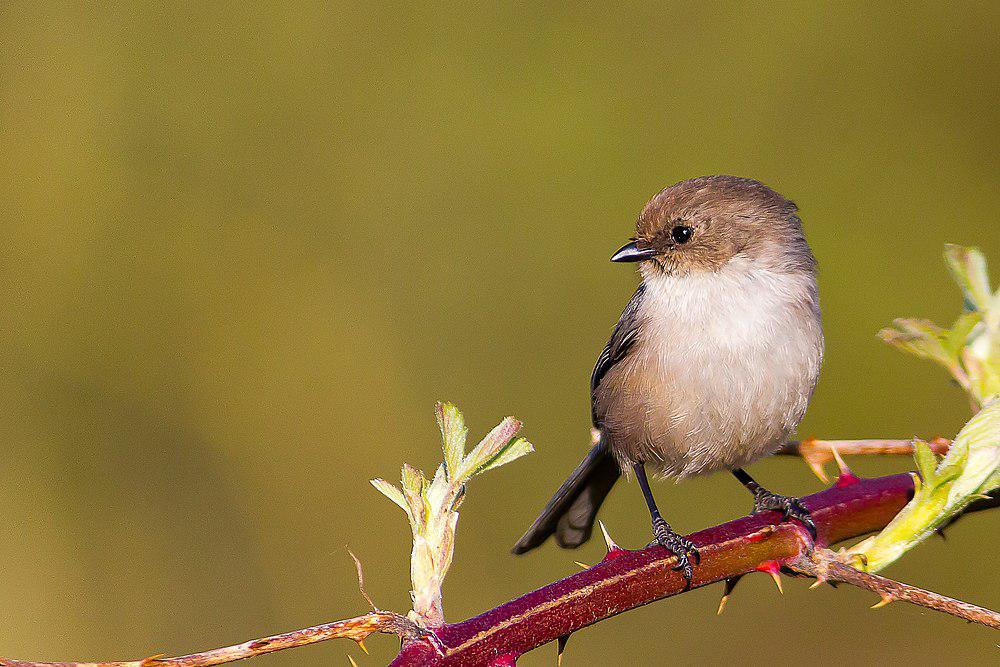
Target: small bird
pixel 713 361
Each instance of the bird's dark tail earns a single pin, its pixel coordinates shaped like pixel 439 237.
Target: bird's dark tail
pixel 571 512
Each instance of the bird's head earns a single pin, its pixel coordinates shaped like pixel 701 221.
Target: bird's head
pixel 701 224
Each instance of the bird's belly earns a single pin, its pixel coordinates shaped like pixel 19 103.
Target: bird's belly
pixel 713 392
pixel 722 412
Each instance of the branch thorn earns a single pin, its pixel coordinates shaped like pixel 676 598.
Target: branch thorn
pixel 361 643
pixel 353 664
pixel 612 545
pixel 814 459
pixel 582 566
pixel 774 569
pixel 730 585
pixel 560 648
pixel 886 599
pixel 846 476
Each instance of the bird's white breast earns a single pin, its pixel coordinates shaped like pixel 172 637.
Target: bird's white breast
pixel 724 368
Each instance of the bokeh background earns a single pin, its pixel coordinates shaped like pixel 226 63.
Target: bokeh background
pixel 244 250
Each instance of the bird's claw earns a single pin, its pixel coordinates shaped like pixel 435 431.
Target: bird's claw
pixel 680 546
pixel 791 507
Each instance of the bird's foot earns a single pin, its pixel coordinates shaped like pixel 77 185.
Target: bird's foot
pixel 681 547
pixel 791 507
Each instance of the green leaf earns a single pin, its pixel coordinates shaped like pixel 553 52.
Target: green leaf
pixel 413 490
pixel 391 492
pixel 977 448
pixel 920 337
pixel 453 435
pixel 489 447
pixel 961 333
pixel 926 461
pixel 968 267
pixel 514 450
pixel 436 492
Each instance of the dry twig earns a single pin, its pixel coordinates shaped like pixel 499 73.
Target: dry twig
pixel 358 629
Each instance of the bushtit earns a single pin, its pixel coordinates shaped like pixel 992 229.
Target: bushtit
pixel 713 361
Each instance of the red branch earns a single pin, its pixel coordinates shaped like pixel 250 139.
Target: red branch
pixel 623 580
pixel 628 579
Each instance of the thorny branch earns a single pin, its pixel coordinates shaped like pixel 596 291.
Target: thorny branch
pixel 623 580
pixel 826 566
pixel 358 629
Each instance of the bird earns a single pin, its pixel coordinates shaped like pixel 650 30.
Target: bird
pixel 712 363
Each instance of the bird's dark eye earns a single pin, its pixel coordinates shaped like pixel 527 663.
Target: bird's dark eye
pixel 681 233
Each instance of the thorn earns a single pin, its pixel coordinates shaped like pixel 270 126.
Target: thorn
pixel 730 585
pixel 840 460
pixel 817 467
pixel 361 581
pixel 607 538
pixel 582 566
pixel 613 549
pixel 777 582
pixel 152 660
pixel 560 648
pixel 940 533
pixel 361 643
pixel 846 476
pixel 814 459
pixel 774 569
pixel 353 664
pixel 886 599
pixel 817 583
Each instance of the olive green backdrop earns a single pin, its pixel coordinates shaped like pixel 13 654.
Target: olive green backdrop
pixel 244 250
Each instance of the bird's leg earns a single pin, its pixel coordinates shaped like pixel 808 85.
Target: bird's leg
pixel 764 500
pixel 664 535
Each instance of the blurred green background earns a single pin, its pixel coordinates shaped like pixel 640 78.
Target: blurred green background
pixel 245 250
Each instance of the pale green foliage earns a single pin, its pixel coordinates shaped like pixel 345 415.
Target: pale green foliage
pixel 970 350
pixel 969 470
pixel 432 506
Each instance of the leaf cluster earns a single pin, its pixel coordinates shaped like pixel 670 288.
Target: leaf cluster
pixel 432 506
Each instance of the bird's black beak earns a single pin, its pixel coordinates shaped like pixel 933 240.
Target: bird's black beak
pixel 631 253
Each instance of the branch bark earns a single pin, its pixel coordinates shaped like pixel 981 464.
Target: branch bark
pixel 628 579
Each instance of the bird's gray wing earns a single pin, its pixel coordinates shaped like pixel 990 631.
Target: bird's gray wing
pixel 622 339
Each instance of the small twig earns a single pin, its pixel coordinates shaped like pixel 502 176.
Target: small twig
pixel 361 581
pixel 826 566
pixel 357 628
pixel 817 453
